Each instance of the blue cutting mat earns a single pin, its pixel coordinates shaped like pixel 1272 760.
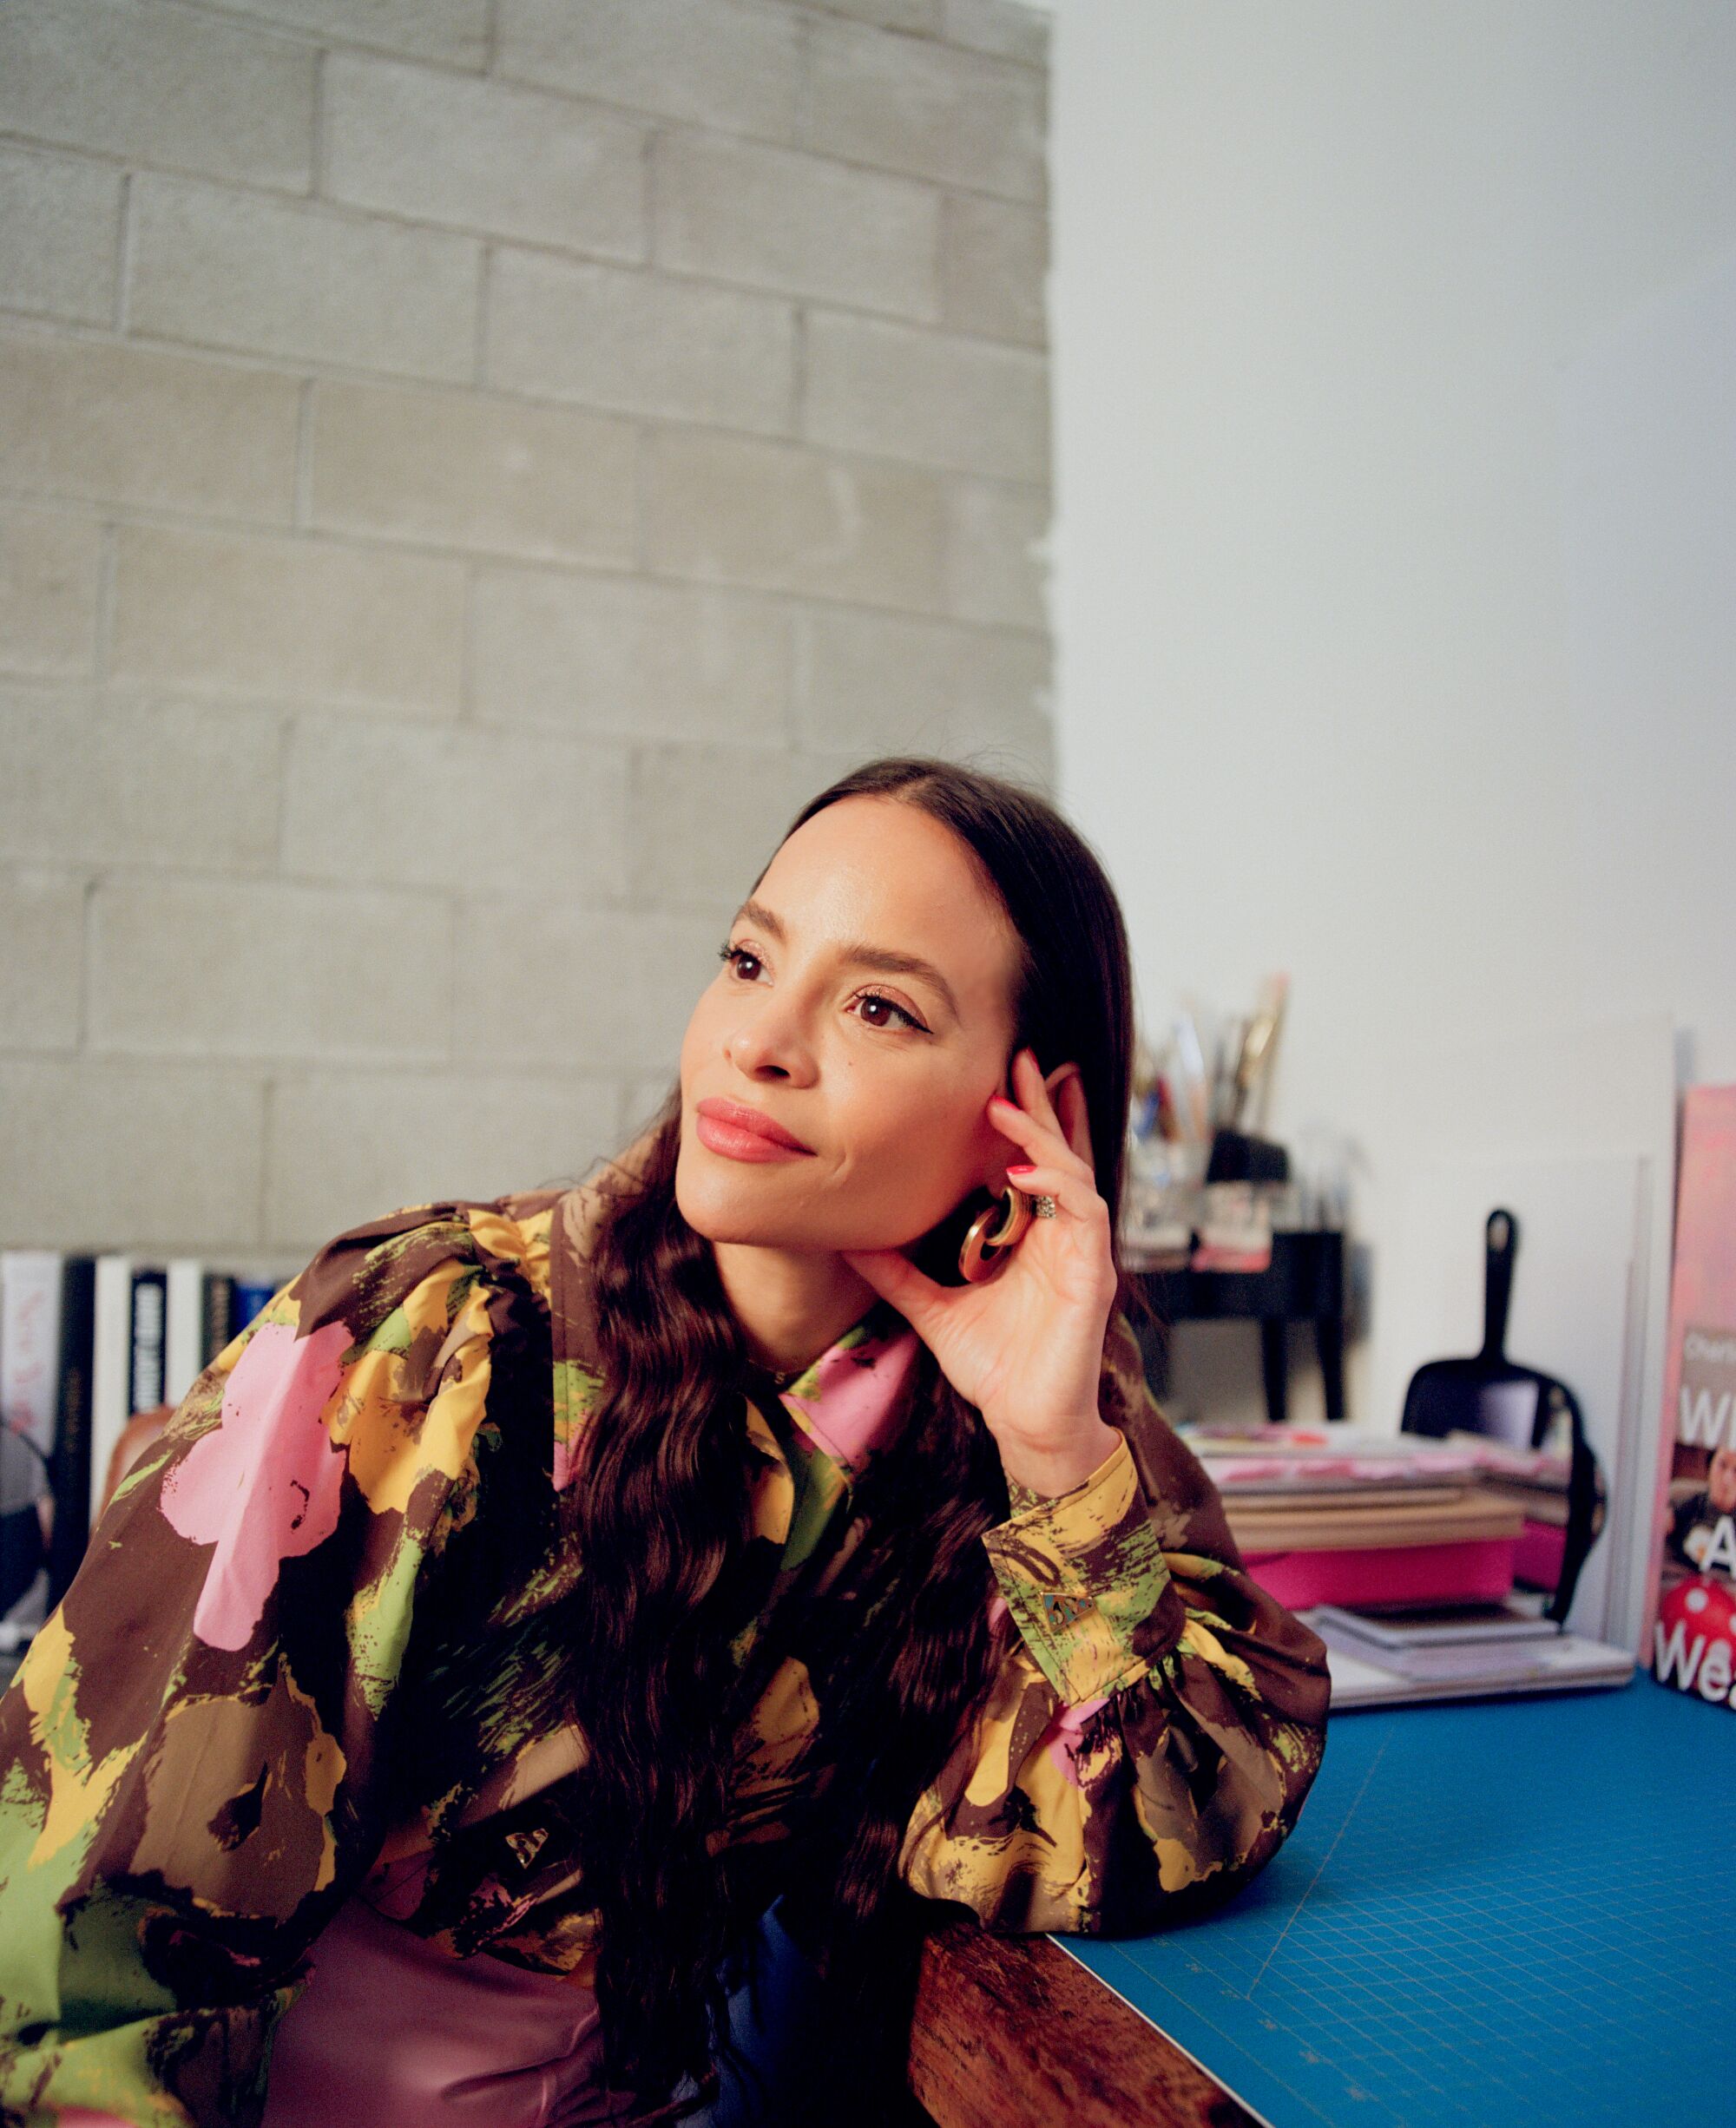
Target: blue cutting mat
pixel 1503 1913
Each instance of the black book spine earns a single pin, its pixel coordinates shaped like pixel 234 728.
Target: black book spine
pixel 70 1466
pixel 150 1318
pixel 220 1314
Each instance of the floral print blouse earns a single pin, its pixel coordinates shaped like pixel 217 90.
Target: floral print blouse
pixel 306 1657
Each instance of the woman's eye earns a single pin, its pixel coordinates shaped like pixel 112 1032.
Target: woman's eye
pixel 744 963
pixel 872 997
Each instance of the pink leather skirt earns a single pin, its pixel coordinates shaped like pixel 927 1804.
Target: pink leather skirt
pixel 391 2033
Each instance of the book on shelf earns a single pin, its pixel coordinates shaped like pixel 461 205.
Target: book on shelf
pixel 70 1465
pixel 111 1371
pixel 225 1312
pixel 29 1358
pixel 86 1340
pixel 250 1296
pixel 183 1327
pixel 147 1321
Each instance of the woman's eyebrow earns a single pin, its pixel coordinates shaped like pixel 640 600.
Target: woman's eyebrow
pixel 881 957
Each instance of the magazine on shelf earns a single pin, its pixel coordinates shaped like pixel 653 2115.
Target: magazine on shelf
pixel 1692 1641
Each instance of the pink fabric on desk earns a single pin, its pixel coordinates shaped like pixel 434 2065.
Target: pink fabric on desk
pixel 391 2033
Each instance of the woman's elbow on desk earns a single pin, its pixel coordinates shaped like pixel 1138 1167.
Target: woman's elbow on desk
pixel 1144 1803
pixel 1157 1721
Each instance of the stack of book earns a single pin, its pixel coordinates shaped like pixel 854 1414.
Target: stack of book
pixel 1438 1640
pixel 1349 1517
pixel 1410 1557
pixel 1455 1650
pixel 1535 1482
pixel 85 1340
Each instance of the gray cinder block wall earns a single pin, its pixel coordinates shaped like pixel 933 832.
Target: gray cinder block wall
pixel 469 468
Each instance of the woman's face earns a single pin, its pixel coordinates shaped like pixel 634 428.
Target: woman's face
pixel 881 1072
pixel 1721 1481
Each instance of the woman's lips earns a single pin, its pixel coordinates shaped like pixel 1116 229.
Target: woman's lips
pixel 721 1126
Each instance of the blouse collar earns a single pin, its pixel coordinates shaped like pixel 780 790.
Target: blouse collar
pixel 851 1400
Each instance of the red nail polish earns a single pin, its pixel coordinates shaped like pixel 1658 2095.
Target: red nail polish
pixel 1024 1167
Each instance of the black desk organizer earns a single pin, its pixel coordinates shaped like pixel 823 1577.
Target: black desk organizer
pixel 1235 1157
pixel 1303 1283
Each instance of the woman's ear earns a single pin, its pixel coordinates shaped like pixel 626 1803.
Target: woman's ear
pixel 936 1252
pixel 1066 1085
pixel 1054 1080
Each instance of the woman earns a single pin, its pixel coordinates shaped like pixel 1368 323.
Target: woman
pixel 537 1589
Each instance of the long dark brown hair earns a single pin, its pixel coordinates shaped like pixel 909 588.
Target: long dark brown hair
pixel 664 1536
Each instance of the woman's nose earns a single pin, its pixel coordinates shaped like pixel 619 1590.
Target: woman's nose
pixel 768 1040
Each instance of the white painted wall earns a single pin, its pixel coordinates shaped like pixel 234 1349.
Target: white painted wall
pixel 1395 354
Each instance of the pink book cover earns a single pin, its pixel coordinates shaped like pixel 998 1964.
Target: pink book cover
pixel 1471 1570
pixel 1690 1637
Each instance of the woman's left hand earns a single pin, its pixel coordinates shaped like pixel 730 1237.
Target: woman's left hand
pixel 1026 1346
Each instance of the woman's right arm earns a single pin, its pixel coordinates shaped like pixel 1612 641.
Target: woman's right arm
pixel 195 1752
pixel 1158 1719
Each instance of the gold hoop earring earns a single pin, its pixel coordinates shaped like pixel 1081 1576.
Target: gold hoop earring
pixel 982 1253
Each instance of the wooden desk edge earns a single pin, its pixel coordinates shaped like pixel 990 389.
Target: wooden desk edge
pixel 1008 2032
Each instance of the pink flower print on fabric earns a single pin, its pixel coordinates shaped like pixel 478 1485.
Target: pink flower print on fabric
pixel 1061 1738
pixel 856 1394
pixel 263 1485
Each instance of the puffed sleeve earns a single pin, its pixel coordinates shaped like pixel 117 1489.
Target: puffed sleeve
pixel 1157 1718
pixel 195 1752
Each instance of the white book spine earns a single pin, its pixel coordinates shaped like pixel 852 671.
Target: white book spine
pixel 111 1368
pixel 184 1353
pixel 30 1343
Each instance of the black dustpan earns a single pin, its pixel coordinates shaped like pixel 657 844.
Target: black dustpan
pixel 1525 1407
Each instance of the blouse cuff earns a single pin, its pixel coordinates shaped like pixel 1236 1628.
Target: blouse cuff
pixel 1085 1581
